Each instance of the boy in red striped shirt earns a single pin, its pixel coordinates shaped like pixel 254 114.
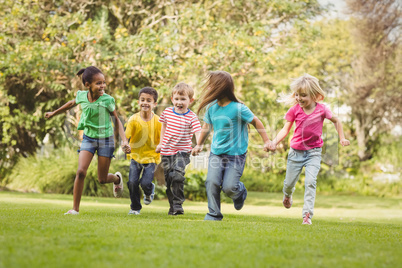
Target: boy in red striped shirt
pixel 179 124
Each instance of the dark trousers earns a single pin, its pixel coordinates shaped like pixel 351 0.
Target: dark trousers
pixel 134 181
pixel 174 169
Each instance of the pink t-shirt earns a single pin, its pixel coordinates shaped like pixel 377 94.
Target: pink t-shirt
pixel 308 127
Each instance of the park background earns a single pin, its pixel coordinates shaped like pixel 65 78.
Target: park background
pixel 353 47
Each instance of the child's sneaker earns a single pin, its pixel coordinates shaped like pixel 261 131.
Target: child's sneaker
pixel 118 188
pixel 306 219
pixel 178 210
pixel 287 201
pixel 71 212
pixel 149 198
pixel 134 212
pixel 239 202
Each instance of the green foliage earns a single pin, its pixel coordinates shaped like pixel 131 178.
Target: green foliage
pixel 55 173
pixel 194 186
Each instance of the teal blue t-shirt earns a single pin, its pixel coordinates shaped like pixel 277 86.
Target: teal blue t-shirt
pixel 230 127
pixel 95 116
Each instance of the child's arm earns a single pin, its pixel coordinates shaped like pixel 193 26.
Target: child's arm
pixel 281 135
pixel 261 130
pixel 159 147
pixel 124 144
pixel 202 136
pixel 62 109
pixel 339 129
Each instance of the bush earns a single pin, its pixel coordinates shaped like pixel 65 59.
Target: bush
pixel 56 174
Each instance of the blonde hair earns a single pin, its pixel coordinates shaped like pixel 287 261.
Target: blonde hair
pixel 218 85
pixel 183 89
pixel 304 84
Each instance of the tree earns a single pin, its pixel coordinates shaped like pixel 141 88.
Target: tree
pixel 135 43
pixel 374 86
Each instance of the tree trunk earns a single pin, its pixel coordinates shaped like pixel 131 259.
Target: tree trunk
pixel 361 140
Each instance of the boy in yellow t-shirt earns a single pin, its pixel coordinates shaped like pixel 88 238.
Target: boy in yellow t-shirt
pixel 144 131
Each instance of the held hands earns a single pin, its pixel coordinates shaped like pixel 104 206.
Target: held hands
pixel 345 142
pixel 270 146
pixel 126 148
pixel 49 115
pixel 158 148
pixel 197 149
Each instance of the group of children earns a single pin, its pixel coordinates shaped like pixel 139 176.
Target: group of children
pixel 150 140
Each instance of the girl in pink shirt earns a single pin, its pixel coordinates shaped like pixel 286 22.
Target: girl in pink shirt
pixel 306 143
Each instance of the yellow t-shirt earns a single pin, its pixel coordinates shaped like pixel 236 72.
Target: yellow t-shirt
pixel 144 137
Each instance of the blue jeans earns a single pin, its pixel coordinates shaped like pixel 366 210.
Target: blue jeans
pixel 105 147
pixel 134 181
pixel 224 172
pixel 297 159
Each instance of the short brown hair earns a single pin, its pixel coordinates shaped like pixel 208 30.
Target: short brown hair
pixel 183 89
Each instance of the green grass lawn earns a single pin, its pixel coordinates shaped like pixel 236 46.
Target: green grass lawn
pixel 347 231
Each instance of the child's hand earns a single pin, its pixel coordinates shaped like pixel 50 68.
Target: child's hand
pixel 267 146
pixel 197 149
pixel 158 148
pixel 49 115
pixel 126 148
pixel 345 142
pixel 272 146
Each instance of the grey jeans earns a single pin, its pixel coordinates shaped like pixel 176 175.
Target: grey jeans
pixel 297 159
pixel 174 169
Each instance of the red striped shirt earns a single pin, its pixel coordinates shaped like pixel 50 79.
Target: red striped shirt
pixel 179 131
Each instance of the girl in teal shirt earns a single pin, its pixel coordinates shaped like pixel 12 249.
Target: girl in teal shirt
pixel 229 119
pixel 97 106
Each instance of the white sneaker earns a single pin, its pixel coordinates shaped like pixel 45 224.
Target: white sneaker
pixel 134 212
pixel 149 198
pixel 71 212
pixel 118 188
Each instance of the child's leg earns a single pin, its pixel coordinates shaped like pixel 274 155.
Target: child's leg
pixel 103 171
pixel 166 165
pixel 133 185
pixel 231 185
pixel 213 187
pixel 293 169
pixel 313 166
pixel 177 178
pixel 147 178
pixel 84 160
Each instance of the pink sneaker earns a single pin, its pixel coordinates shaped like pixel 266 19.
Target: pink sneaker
pixel 118 188
pixel 306 219
pixel 287 201
pixel 71 212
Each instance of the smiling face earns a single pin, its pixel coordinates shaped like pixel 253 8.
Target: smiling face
pixel 304 99
pixel 181 103
pixel 97 86
pixel 146 102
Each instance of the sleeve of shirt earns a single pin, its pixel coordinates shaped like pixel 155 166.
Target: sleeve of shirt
pixel 162 118
pixel 195 125
pixel 327 112
pixel 111 105
pixel 290 115
pixel 80 96
pixel 246 114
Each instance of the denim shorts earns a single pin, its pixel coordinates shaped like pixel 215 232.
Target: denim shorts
pixel 105 147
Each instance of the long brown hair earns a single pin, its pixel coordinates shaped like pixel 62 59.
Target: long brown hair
pixel 218 85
